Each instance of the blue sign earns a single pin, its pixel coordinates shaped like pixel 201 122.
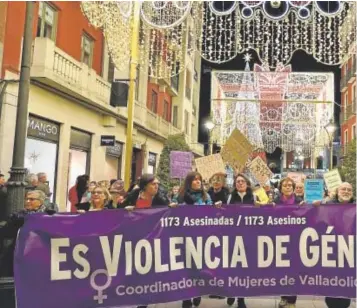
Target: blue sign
pixel 314 190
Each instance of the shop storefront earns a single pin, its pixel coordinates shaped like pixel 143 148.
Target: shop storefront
pixel 41 149
pixel 114 160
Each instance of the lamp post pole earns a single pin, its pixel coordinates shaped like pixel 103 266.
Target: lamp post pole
pixel 131 99
pixel 331 152
pixel 210 126
pixel 16 183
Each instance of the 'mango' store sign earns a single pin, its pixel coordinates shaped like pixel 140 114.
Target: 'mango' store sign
pixel 43 129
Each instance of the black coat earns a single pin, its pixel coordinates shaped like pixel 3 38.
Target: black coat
pixel 85 206
pixel 222 195
pixel 8 235
pixel 235 198
pixel 3 202
pixel 132 197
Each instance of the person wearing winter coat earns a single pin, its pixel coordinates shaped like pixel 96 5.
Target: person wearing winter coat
pixel 241 194
pixel 193 192
pixel 34 203
pixel 218 191
pixel 344 195
pixel 146 196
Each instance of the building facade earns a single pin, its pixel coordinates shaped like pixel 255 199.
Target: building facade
pixel 348 83
pixel 71 103
pixel 348 100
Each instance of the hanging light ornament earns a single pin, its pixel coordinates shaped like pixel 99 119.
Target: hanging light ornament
pixel 280 107
pixel 221 30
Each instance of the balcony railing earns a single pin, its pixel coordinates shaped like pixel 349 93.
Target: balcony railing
pixel 152 121
pixel 348 112
pixel 352 72
pixel 52 65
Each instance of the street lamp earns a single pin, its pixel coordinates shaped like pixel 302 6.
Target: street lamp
pixel 16 184
pixel 330 130
pixel 209 125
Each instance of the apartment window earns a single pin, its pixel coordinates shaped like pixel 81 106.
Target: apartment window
pixel 174 116
pixel 354 132
pixel 87 49
pixel 345 105
pixel 346 137
pixel 187 129
pixel 154 101
pixel 46 25
pixel 166 114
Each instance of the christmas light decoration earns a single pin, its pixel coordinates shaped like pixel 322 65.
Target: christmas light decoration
pixel 273 109
pixel 222 30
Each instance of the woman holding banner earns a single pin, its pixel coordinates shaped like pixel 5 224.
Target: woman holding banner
pixel 343 196
pixel 218 191
pixel 241 194
pixel 99 200
pixel 288 197
pixel 146 196
pixel 192 193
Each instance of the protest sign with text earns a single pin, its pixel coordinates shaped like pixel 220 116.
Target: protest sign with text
pixel 210 165
pixel 180 164
pixel 236 150
pixel 103 258
pixel 260 170
pixel 332 179
pixel 313 190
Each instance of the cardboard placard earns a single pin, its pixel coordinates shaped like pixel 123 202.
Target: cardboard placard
pixel 260 170
pixel 332 179
pixel 262 195
pixel 210 165
pixel 236 150
pixel 297 176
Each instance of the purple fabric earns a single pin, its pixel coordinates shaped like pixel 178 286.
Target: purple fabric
pixel 305 268
pixel 180 164
pixel 287 200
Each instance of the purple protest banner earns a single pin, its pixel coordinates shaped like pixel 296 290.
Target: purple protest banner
pixel 180 164
pixel 114 257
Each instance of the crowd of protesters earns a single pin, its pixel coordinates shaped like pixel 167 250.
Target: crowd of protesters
pixel 147 192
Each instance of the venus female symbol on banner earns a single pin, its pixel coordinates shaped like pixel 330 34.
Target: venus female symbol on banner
pixel 100 297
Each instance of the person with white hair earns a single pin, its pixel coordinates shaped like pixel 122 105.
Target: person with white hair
pixel 32 180
pixel 344 195
pixel 43 184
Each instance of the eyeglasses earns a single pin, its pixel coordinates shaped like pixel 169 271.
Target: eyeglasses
pixel 241 181
pixel 97 192
pixel 288 185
